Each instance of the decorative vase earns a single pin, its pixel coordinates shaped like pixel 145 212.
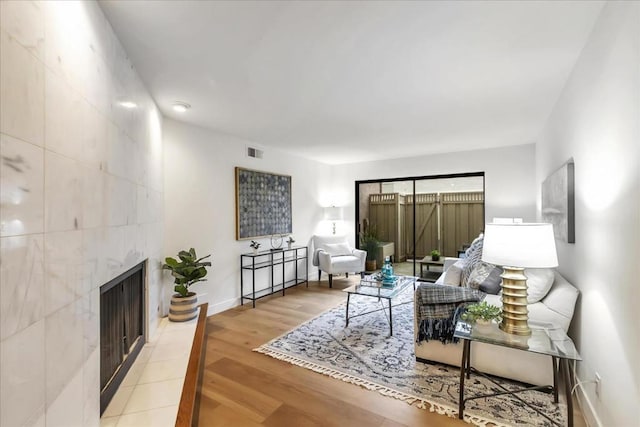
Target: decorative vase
pixel 371 265
pixel 435 257
pixel 255 251
pixel 288 245
pixel 182 308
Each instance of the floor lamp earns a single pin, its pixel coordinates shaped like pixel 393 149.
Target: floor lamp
pixel 516 247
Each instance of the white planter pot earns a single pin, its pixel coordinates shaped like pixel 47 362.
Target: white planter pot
pixel 183 309
pixel 483 325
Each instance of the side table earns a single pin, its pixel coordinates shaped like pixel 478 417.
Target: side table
pixel 545 338
pixel 429 262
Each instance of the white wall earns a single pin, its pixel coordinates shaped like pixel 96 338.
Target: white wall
pixel 509 178
pixel 596 121
pixel 200 202
pixel 81 185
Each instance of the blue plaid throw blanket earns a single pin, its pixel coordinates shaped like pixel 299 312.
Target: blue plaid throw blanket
pixel 438 308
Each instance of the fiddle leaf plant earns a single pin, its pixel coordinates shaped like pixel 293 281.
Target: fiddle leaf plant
pixel 189 269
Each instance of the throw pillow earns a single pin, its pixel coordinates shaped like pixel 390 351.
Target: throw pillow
pixel 539 282
pixel 338 249
pixel 480 273
pixel 453 274
pixel 473 256
pixel 473 247
pixel 491 284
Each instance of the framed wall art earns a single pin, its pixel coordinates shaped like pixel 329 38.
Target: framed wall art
pixel 263 204
pixel 558 202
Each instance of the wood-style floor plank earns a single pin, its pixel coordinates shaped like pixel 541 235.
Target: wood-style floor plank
pixel 245 388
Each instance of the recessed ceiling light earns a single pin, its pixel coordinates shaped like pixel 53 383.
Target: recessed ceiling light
pixel 180 107
pixel 128 104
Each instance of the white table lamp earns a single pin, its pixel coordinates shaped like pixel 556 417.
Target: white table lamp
pixel 516 247
pixel 333 214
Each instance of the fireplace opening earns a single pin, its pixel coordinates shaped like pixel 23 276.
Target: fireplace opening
pixel 122 329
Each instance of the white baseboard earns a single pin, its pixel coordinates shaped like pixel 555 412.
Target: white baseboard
pixel 222 306
pixel 588 411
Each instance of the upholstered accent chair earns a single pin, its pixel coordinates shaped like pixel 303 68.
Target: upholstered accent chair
pixel 334 255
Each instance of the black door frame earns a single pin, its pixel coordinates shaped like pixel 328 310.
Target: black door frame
pixel 414 179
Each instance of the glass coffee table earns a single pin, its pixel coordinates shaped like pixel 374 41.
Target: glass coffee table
pixel 369 287
pixel 545 339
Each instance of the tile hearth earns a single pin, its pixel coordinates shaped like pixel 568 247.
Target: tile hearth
pixel 150 393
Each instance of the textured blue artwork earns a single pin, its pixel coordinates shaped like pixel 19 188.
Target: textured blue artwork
pixel 263 204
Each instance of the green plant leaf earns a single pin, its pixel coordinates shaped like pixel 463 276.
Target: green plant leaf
pixel 181 289
pixel 204 257
pixel 170 262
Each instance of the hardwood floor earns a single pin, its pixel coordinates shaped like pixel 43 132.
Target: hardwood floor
pixel 244 388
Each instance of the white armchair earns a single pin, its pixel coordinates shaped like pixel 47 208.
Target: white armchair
pixel 334 255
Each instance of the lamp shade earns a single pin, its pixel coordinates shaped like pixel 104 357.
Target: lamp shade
pixel 333 213
pixel 526 245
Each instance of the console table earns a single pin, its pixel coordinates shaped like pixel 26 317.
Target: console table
pixel 270 260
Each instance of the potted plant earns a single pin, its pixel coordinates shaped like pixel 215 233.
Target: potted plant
pixel 369 242
pixel 482 314
pixel 188 270
pixel 290 242
pixel 435 255
pixel 255 246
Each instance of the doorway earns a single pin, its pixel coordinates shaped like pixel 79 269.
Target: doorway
pixel 415 216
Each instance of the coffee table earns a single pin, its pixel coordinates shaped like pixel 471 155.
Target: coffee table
pixel 369 287
pixel 545 339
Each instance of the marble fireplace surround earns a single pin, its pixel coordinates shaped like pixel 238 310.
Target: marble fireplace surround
pixel 81 202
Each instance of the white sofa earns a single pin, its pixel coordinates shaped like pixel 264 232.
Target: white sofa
pixel 556 308
pixel 333 255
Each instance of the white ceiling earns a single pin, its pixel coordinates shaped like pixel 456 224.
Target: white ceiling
pixel 354 81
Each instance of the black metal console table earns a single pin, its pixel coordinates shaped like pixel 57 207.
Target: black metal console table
pixel 270 259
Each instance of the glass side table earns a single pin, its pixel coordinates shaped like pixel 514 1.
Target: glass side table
pixel 545 339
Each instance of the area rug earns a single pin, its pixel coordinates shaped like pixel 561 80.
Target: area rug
pixel 364 354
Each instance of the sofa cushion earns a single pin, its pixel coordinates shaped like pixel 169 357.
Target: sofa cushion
pixel 492 284
pixel 539 281
pixel 453 274
pixel 562 299
pixel 485 277
pixel 480 272
pixel 338 249
pixel 473 256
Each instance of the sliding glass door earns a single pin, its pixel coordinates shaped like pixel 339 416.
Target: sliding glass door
pixel 413 218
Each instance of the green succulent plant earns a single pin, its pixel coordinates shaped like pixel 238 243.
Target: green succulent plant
pixel 482 311
pixel 188 270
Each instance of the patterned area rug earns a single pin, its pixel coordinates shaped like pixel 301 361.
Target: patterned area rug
pixel 364 354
